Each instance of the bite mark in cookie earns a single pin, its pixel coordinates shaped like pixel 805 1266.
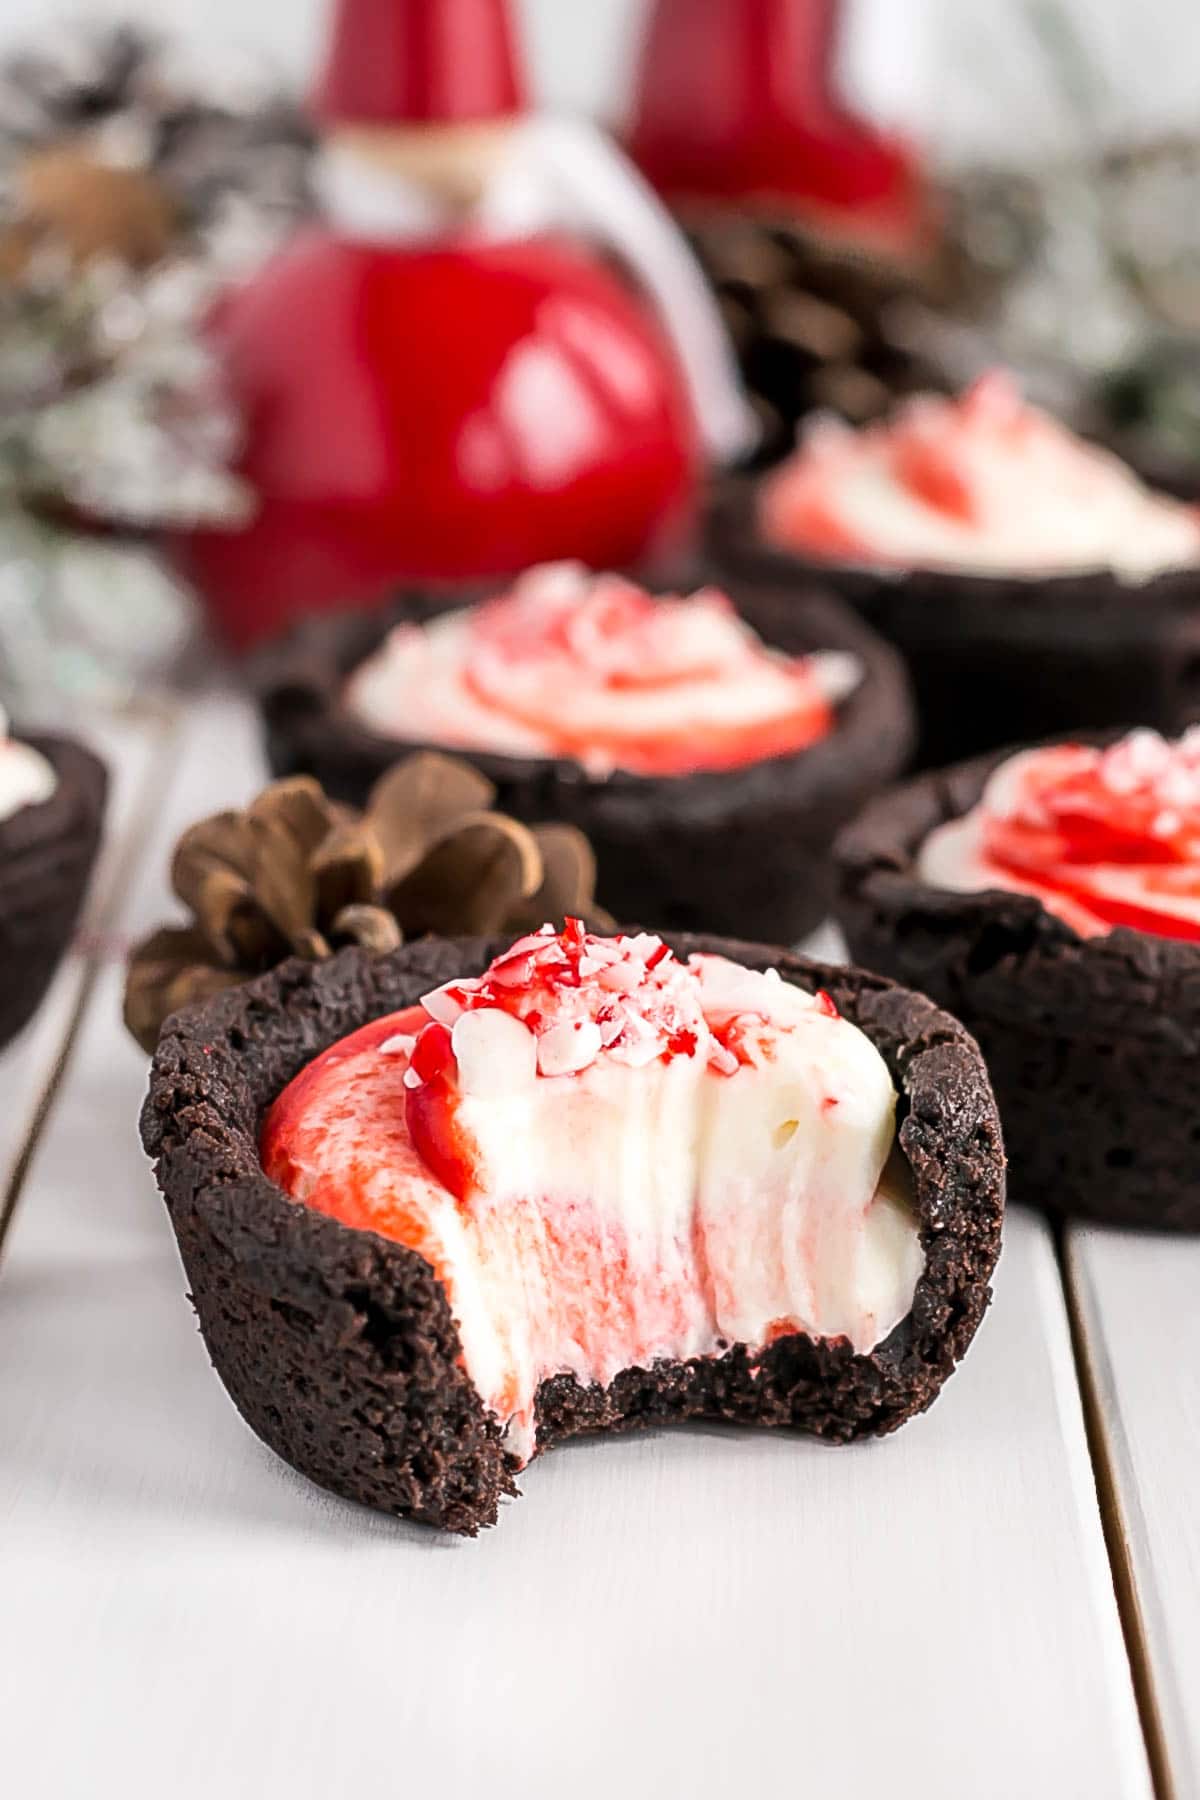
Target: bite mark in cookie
pixel 613 1158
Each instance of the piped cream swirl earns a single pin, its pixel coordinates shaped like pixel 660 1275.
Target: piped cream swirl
pixel 27 778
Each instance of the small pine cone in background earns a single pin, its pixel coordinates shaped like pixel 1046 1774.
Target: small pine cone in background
pixel 91 210
pixel 297 874
pixel 221 150
pixel 817 325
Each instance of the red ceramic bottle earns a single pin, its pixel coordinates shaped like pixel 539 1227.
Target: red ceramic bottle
pixel 430 393
pixel 737 104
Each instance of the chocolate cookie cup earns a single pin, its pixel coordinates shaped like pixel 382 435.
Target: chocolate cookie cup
pixel 739 850
pixel 46 856
pixel 1093 1045
pixel 994 658
pixel 338 1346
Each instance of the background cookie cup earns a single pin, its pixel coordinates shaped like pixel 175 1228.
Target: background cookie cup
pixel 1093 1045
pixel 994 658
pixel 46 856
pixel 338 1346
pixel 744 850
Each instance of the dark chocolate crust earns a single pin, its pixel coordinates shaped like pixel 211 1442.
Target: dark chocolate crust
pixel 1093 1045
pixel 744 849
pixel 995 658
pixel 338 1346
pixel 46 857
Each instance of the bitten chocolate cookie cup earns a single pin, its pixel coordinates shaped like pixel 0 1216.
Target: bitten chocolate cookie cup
pixel 1093 1045
pixel 739 850
pixel 996 658
pixel 46 857
pixel 338 1346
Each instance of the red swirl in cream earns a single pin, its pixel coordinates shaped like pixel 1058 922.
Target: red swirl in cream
pixel 981 483
pixel 1102 837
pixel 591 668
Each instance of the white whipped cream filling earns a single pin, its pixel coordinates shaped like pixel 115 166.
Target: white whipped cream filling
pixel 626 1206
pixel 703 1209
pixel 652 1161
pixel 414 688
pixel 732 1204
pixel 1035 524
pixel 1042 501
pixel 27 778
pixel 953 855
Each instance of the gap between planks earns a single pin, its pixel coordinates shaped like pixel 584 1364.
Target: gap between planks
pixel 159 727
pixel 1116 1538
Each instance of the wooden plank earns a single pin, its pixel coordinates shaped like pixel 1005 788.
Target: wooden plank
pixel 1136 1301
pixel 220 764
pixel 704 1612
pixel 134 750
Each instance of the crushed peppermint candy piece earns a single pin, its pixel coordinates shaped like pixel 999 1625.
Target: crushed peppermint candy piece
pixel 569 999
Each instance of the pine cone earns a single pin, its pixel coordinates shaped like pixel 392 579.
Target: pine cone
pixel 296 874
pixel 91 210
pixel 816 326
pixel 225 145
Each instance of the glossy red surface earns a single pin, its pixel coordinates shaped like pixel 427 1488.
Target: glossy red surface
pixel 737 100
pixel 419 62
pixel 441 414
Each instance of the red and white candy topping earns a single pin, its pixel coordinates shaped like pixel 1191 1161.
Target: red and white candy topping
pixel 982 482
pixel 579 997
pixel 1102 837
pixel 592 668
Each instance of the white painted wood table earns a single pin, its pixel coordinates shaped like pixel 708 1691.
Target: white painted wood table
pixel 998 1602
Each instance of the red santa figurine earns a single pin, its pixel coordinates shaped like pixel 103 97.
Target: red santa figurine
pixel 442 380
pixel 737 103
pixel 814 225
